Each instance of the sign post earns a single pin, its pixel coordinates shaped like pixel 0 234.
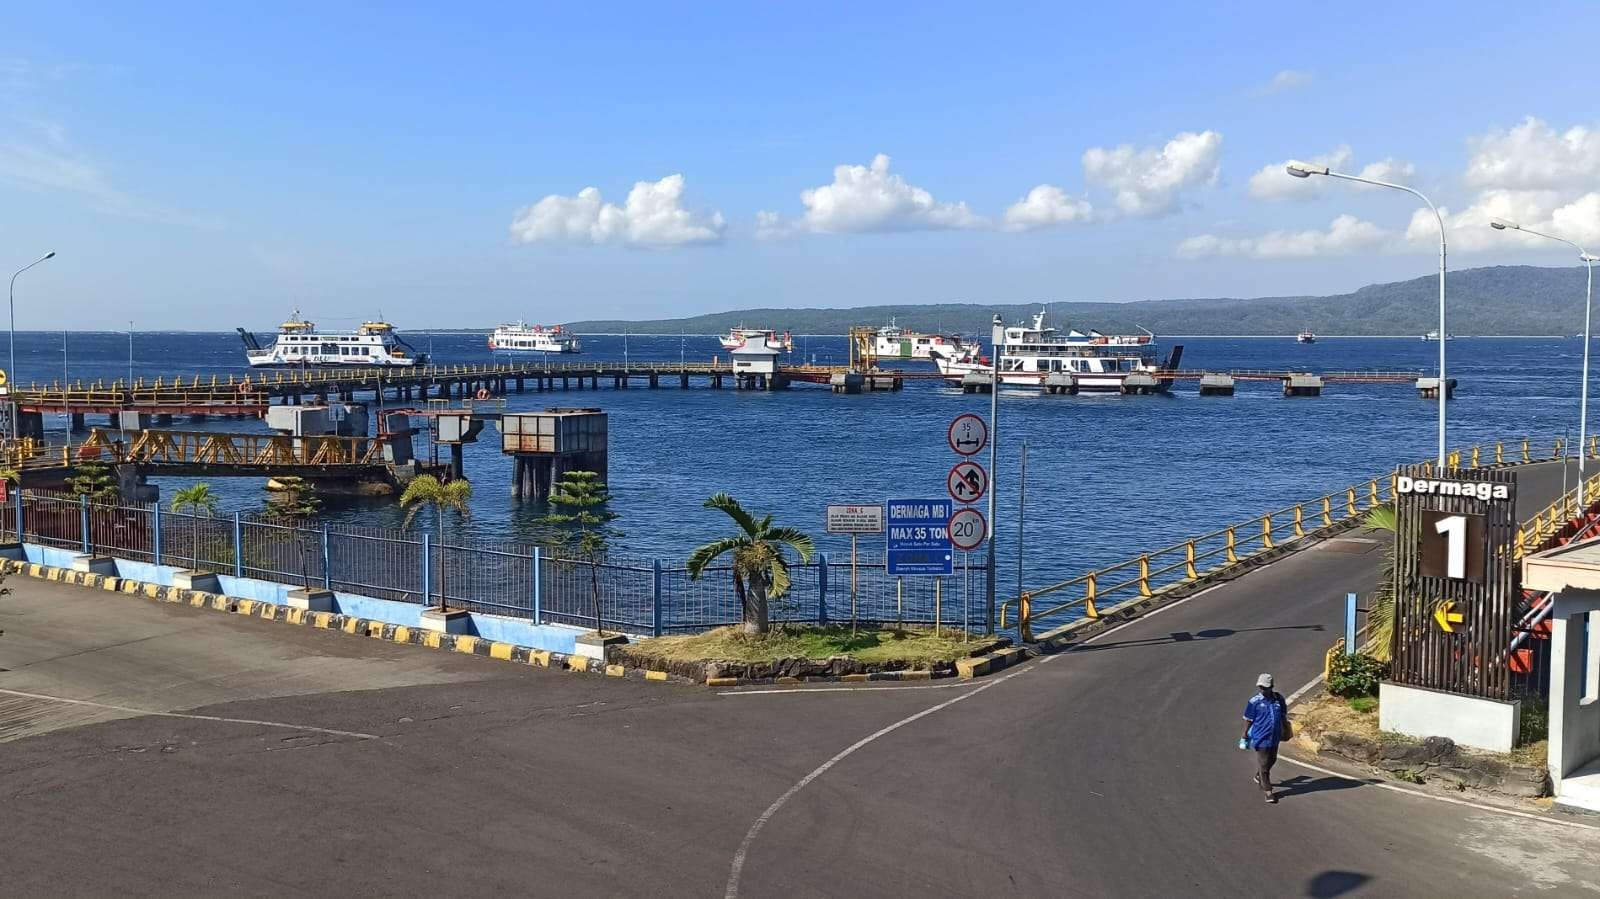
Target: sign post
pixel 855 520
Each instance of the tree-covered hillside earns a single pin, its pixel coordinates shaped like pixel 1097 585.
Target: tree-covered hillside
pixel 1481 301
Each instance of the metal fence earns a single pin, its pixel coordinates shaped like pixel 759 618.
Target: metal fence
pixel 544 584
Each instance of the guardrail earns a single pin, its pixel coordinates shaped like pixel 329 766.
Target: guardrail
pixel 1185 563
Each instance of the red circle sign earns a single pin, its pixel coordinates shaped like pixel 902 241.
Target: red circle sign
pixel 968 434
pixel 968 528
pixel 967 481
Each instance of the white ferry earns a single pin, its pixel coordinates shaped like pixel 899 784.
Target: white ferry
pixel 520 337
pixel 895 342
pixel 1030 353
pixel 299 343
pixel 1433 335
pixel 1306 337
pixel 737 338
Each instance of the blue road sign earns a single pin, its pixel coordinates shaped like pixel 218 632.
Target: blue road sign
pixel 919 537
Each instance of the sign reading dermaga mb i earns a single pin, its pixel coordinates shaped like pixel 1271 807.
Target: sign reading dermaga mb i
pixel 918 539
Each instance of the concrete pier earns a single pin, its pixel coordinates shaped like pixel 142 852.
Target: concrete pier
pixel 977 382
pixel 1302 385
pixel 1061 383
pixel 1216 385
pixel 846 382
pixel 1140 384
pixel 1428 388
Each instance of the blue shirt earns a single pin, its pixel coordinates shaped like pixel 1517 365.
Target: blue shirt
pixel 1266 720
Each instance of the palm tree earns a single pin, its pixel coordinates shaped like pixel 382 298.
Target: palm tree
pixel 1380 609
pixel 196 499
pixel 427 490
pixel 760 571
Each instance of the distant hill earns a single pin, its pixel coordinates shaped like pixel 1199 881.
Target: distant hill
pixel 1516 299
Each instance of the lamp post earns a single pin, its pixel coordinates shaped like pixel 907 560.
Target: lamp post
pixel 1306 170
pixel 12 371
pixel 1588 304
pixel 997 340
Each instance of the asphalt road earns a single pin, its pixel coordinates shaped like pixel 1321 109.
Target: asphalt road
pixel 1109 770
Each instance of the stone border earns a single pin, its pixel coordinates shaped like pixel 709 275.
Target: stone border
pixel 991 655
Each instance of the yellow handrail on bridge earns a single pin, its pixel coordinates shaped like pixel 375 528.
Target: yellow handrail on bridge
pixel 1198 557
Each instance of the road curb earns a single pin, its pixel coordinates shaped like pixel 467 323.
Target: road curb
pixel 267 611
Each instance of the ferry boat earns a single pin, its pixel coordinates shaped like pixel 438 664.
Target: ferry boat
pixel 1306 337
pixel 300 344
pixel 737 338
pixel 1434 335
pixel 895 342
pixel 1029 353
pixel 520 337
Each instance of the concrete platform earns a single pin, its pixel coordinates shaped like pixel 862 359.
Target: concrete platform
pixel 1581 789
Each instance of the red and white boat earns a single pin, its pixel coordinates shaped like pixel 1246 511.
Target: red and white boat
pixel 738 338
pixel 1030 353
pixel 521 337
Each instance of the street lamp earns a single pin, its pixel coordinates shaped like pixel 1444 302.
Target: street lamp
pixel 997 340
pixel 13 295
pixel 1588 303
pixel 1306 170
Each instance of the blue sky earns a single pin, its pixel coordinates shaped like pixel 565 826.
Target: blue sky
pixel 198 167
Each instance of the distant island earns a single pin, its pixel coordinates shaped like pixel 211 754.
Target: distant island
pixel 1497 300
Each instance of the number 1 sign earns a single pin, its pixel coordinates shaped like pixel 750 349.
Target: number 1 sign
pixel 1452 546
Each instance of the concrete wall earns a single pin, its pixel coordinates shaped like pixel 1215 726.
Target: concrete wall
pixel 1574 717
pixel 519 631
pixel 1468 720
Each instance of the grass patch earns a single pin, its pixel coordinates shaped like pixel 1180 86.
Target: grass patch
pixel 1365 705
pixel 1334 713
pixel 913 645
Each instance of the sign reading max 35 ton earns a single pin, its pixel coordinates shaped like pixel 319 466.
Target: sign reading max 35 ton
pixel 1456 579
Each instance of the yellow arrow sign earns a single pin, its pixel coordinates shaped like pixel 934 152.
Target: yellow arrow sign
pixel 1445 615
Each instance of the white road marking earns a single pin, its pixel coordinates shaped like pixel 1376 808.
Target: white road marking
pixel 782 690
pixel 134 711
pixel 760 822
pixel 1303 690
pixel 1396 788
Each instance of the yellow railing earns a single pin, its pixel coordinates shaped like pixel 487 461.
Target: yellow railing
pixel 243 450
pixel 1183 563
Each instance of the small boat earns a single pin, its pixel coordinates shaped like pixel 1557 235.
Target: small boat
pixel 738 338
pixel 520 337
pixel 1306 337
pixel 1434 335
pixel 1029 354
pixel 895 342
pixel 300 344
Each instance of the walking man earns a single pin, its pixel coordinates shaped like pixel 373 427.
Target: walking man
pixel 1264 718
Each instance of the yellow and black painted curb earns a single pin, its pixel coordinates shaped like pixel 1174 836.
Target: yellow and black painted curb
pixel 976 666
pixel 378 630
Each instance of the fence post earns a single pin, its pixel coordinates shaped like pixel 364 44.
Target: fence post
pixel 327 560
pixel 822 589
pixel 155 540
pixel 83 523
pixel 538 584
pixel 427 575
pixel 238 545
pixel 19 513
pixel 655 598
pixel 1349 624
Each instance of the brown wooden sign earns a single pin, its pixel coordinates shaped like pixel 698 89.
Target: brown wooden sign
pixel 1456 581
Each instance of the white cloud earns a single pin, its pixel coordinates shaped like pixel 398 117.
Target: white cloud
pixel 1388 169
pixel 869 199
pixel 653 215
pixel 1273 182
pixel 1286 80
pixel 1148 181
pixel 1532 156
pixel 1346 234
pixel 1044 206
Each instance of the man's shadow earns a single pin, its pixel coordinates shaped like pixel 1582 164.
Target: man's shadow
pixel 1303 784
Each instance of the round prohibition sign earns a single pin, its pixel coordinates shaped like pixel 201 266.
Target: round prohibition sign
pixel 967 529
pixel 968 434
pixel 967 481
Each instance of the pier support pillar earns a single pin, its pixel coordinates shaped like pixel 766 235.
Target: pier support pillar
pixel 520 385
pixel 716 381
pixel 683 380
pixel 845 382
pixel 1302 385
pixel 131 421
pixel 457 469
pixel 977 382
pixel 1061 382
pixel 1216 385
pixel 1428 388
pixel 1140 384
pixel 30 424
pixel 619 381
pixel 75 421
pixel 655 380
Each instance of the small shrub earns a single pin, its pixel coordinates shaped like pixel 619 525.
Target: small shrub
pixel 1363 704
pixel 1535 722
pixel 1355 675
